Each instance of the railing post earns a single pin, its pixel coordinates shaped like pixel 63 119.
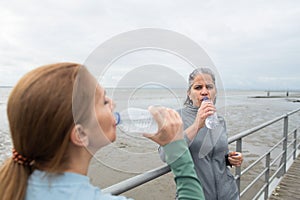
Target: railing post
pixel 238 169
pixel 285 135
pixel 267 175
pixel 295 144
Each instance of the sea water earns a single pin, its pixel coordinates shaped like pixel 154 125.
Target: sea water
pixel 240 110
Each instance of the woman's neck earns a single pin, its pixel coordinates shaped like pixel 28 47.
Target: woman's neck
pixel 79 160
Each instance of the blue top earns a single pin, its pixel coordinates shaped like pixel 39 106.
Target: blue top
pixel 63 186
pixel 47 186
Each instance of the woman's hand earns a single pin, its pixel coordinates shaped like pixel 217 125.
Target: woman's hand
pixel 206 109
pixel 235 158
pixel 170 126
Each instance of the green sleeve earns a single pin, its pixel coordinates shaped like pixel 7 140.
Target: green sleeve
pixel 179 159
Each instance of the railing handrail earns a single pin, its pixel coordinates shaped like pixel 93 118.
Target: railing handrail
pixel 135 181
pixel 257 161
pixel 140 179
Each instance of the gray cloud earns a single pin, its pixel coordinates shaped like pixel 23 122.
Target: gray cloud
pixel 254 44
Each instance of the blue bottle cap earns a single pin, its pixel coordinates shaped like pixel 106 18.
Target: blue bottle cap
pixel 117 117
pixel 205 99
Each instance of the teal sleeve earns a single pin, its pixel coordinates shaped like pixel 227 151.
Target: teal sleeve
pixel 179 159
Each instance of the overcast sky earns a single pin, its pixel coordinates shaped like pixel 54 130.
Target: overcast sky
pixel 254 44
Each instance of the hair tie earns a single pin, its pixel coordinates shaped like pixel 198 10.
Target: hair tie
pixel 18 158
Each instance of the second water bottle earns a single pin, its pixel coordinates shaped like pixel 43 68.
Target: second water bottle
pixel 211 121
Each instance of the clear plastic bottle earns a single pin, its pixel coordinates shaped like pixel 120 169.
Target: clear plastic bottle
pixel 211 121
pixel 136 120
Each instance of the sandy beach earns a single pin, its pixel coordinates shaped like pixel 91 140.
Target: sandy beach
pixel 160 188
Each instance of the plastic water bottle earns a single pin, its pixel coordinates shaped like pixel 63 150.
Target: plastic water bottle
pixel 136 120
pixel 211 121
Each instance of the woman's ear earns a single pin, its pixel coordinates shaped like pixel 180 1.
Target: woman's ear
pixel 79 137
pixel 188 93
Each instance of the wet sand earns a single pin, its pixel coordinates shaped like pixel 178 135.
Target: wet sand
pixel 160 188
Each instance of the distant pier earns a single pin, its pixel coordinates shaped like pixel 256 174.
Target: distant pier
pixel 281 94
pixel 286 93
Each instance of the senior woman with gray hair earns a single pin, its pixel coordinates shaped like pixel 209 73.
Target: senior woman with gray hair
pixel 208 147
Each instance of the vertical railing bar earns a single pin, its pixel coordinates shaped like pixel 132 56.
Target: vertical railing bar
pixel 267 175
pixel 295 144
pixel 238 169
pixel 285 135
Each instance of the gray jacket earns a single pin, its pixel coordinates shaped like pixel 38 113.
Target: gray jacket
pixel 209 149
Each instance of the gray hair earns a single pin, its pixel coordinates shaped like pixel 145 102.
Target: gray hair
pixel 192 77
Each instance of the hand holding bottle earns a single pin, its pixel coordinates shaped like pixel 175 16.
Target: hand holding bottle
pixel 212 120
pixel 205 110
pixel 170 126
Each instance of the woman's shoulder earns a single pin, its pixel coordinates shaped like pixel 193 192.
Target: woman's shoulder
pixel 44 185
pixel 187 110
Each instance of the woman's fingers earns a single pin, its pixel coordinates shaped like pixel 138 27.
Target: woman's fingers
pixel 170 126
pixel 158 115
pixel 235 158
pixel 204 111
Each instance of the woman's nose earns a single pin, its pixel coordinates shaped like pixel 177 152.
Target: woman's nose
pixel 204 91
pixel 112 104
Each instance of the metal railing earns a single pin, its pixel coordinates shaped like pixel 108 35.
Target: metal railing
pixel 282 168
pixel 266 157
